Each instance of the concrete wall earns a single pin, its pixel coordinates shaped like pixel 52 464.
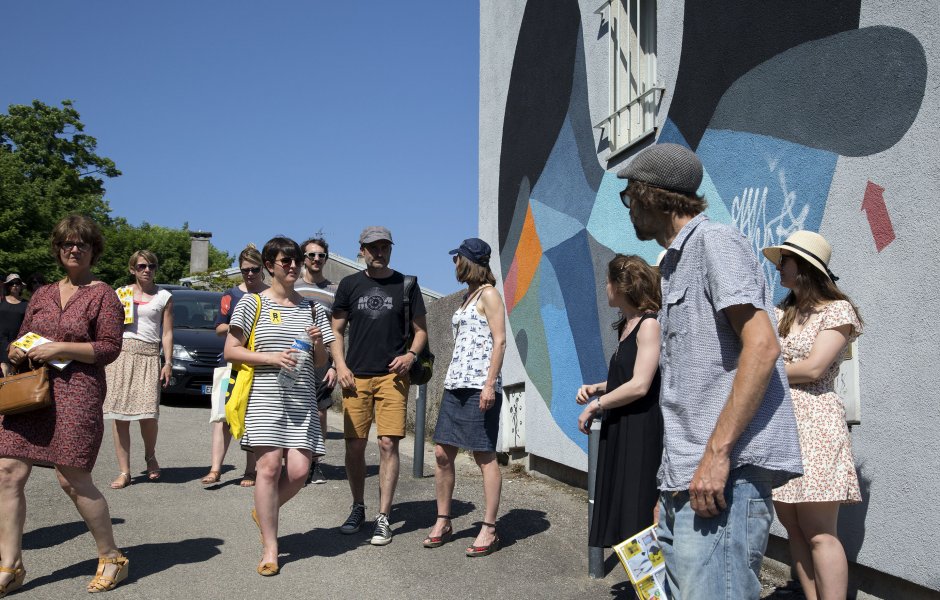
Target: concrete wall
pixel 807 115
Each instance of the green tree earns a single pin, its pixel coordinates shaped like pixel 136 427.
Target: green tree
pixel 172 247
pixel 49 169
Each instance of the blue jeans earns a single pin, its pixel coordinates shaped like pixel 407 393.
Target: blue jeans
pixel 718 558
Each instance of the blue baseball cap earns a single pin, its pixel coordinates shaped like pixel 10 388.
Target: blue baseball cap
pixel 475 250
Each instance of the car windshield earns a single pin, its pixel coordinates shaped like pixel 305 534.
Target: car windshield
pixel 195 312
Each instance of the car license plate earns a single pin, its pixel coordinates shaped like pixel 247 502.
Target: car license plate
pixel 207 390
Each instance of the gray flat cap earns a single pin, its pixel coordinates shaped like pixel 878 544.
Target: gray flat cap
pixel 668 166
pixel 374 234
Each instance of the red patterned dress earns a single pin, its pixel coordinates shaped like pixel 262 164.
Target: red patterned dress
pixel 828 467
pixel 69 432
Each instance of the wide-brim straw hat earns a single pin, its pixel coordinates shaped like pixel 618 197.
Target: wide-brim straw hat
pixel 808 245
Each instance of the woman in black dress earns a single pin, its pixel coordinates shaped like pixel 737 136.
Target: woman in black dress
pixel 631 443
pixel 12 311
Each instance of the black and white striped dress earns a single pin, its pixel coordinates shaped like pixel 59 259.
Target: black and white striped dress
pixel 278 417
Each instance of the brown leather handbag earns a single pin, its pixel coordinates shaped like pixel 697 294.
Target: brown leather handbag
pixel 25 392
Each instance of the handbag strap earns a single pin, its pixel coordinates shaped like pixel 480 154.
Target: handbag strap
pixel 254 323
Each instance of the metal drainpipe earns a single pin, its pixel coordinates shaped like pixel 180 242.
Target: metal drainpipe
pixel 595 554
pixel 420 423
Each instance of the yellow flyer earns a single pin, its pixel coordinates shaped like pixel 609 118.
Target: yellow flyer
pixel 642 559
pixel 34 339
pixel 126 296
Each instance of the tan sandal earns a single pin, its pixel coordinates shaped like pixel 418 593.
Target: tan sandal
pixel 212 477
pixel 19 574
pixel 122 481
pixel 268 569
pixel 153 474
pixel 106 583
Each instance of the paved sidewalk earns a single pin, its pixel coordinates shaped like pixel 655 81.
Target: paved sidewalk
pixel 187 541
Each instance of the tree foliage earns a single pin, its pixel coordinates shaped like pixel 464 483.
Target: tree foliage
pixel 49 168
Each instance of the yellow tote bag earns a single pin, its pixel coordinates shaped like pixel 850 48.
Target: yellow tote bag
pixel 239 384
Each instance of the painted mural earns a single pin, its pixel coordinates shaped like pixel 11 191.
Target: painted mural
pixel 769 95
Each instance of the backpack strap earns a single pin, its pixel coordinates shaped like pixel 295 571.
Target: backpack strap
pixel 410 281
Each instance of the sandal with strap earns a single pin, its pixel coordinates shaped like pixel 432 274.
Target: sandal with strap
pixel 439 540
pixel 248 479
pixel 212 477
pixel 106 583
pixel 152 474
pixel 19 574
pixel 268 569
pixel 122 481
pixel 473 551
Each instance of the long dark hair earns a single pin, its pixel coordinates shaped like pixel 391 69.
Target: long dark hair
pixel 812 287
pixel 631 276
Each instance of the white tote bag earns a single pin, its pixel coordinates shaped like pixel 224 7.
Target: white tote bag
pixel 220 379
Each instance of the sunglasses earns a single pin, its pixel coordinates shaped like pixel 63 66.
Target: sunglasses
pixel 625 198
pixel 250 270
pixel 316 255
pixel 12 283
pixel 80 246
pixel 145 266
pixel 286 261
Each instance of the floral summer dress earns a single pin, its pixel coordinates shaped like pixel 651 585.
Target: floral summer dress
pixel 828 467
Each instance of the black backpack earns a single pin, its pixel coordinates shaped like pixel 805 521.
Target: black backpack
pixel 423 367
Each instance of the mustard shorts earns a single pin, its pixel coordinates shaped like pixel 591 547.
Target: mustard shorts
pixel 385 397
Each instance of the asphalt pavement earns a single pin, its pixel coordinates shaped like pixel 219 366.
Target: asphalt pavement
pixel 186 540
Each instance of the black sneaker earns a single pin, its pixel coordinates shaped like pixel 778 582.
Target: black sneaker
pixel 357 516
pixel 316 475
pixel 383 532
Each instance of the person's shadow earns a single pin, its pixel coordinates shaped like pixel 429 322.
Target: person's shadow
pixel 147 559
pixel 53 535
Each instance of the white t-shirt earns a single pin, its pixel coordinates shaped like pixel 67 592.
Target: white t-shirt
pixel 148 319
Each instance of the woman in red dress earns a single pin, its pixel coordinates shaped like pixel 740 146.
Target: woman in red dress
pixel 84 320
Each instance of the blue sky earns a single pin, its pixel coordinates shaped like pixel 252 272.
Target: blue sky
pixel 252 119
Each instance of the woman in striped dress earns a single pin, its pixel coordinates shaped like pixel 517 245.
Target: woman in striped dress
pixel 282 425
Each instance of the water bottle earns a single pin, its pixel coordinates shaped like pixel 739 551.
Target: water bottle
pixel 287 377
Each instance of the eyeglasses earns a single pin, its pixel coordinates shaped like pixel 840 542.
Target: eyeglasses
pixel 316 255
pixel 250 270
pixel 286 261
pixel 145 266
pixel 625 198
pixel 80 246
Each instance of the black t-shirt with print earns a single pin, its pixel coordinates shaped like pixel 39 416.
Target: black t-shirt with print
pixel 375 317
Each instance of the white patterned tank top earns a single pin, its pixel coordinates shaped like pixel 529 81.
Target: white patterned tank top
pixel 473 350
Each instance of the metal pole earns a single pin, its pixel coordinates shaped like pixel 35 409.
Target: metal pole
pixel 420 422
pixel 595 554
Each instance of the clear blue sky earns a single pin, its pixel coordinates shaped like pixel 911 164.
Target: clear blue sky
pixel 252 119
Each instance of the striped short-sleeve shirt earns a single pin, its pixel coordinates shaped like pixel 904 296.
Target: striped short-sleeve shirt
pixel 708 268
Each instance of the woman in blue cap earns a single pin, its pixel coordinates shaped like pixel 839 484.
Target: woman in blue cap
pixel 469 415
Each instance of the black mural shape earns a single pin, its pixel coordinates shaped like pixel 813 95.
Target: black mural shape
pixel 537 99
pixel 724 39
pixel 833 94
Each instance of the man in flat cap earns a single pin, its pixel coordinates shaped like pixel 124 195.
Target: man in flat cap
pixel 729 430
pixel 374 373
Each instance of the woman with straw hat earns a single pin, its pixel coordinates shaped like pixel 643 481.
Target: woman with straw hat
pixel 817 321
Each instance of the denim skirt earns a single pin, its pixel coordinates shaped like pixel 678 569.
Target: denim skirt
pixel 460 422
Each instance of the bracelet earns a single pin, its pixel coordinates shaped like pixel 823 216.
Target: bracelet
pixel 412 352
pixel 599 407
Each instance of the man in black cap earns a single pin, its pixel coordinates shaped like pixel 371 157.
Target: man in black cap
pixel 729 430
pixel 374 373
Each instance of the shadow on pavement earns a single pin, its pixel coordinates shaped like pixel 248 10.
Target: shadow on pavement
pixel 146 559
pixel 519 524
pixel 53 535
pixel 421 514
pixel 176 475
pixel 623 591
